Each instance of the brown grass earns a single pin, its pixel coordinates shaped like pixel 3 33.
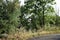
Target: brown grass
pixel 22 34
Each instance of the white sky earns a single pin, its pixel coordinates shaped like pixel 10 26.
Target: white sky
pixel 58 3
pixel 22 2
pixel 58 6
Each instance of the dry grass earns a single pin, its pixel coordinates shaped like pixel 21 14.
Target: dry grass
pixel 22 34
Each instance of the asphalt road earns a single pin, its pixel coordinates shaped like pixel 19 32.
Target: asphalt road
pixel 47 37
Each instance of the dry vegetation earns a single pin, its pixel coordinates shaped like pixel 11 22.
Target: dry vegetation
pixel 23 34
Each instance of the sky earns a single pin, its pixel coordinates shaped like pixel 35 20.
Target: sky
pixel 57 6
pixel 22 2
pixel 58 3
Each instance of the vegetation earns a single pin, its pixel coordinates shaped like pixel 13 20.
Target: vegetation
pixel 35 18
pixel 9 16
pixel 40 13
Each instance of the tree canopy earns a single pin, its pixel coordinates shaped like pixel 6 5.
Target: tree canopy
pixel 9 15
pixel 38 9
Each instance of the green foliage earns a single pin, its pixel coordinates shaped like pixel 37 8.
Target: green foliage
pixel 9 16
pixel 57 20
pixel 34 14
pixel 38 9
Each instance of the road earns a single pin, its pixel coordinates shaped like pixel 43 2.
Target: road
pixel 47 37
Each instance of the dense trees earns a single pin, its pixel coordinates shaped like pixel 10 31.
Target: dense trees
pixel 38 9
pixel 33 15
pixel 9 15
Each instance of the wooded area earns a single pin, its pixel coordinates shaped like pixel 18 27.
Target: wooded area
pixel 33 15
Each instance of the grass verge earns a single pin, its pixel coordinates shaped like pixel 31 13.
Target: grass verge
pixel 22 34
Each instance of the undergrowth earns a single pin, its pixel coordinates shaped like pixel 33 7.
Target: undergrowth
pixel 22 34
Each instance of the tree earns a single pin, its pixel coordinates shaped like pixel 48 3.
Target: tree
pixel 9 16
pixel 38 8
